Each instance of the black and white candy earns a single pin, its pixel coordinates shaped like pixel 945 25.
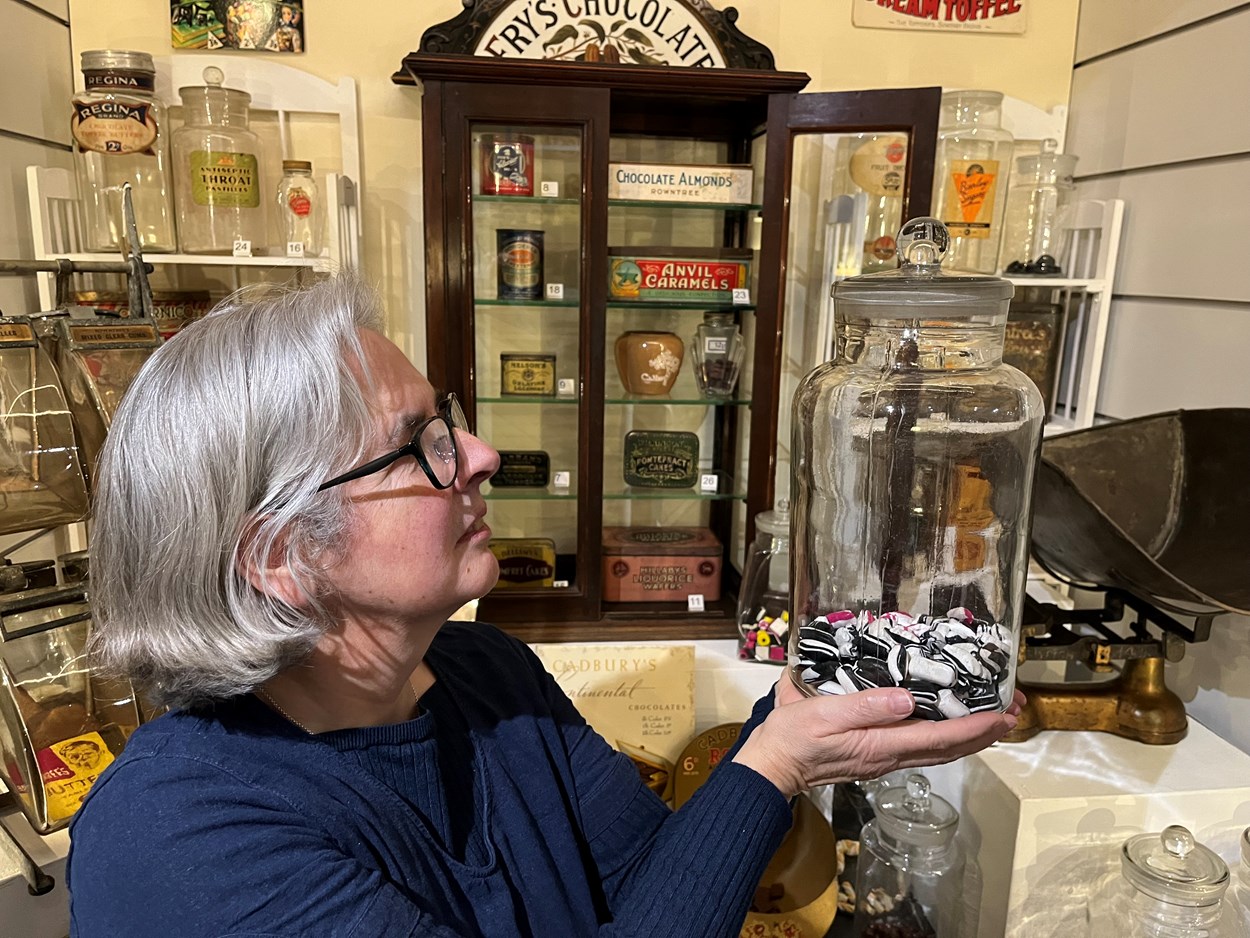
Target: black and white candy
pixel 953 665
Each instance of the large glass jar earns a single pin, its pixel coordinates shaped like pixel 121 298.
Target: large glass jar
pixel 219 164
pixel 913 457
pixel 1169 886
pixel 1037 223
pixel 910 878
pixel 970 177
pixel 764 599
pixel 121 135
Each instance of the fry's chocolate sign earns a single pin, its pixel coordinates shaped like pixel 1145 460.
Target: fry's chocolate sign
pixel 638 32
pixel 997 16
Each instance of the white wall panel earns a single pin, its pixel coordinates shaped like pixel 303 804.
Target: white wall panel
pixel 1181 98
pixel 58 8
pixel 1183 229
pixel 35 73
pixel 1105 25
pixel 1167 354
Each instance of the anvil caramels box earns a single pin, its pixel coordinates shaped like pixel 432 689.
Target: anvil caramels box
pixel 682 275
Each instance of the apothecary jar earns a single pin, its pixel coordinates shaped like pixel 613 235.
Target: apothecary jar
pixel 913 458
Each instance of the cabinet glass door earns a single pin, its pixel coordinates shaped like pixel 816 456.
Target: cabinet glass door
pixel 861 163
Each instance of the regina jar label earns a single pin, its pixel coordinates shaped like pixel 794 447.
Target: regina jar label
pixel 969 208
pixel 229 180
pixel 114 127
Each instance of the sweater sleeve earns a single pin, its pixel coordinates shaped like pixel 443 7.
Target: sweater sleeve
pixel 198 821
pixel 659 869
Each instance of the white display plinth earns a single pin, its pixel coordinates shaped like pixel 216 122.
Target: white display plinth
pixel 1046 818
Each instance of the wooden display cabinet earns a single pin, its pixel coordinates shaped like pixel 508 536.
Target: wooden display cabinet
pixel 581 117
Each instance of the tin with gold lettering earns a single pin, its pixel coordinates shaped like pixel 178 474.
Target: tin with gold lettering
pixel 651 564
pixel 531 374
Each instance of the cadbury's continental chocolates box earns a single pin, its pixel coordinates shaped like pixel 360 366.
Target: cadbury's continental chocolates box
pixel 660 564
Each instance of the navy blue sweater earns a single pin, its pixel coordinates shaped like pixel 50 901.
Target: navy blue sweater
pixel 496 812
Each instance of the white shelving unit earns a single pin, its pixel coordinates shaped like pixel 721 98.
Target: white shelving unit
pixel 278 90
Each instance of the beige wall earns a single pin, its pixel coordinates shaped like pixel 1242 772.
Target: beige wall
pixel 815 36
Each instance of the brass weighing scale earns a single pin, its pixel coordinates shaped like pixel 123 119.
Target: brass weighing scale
pixel 1152 513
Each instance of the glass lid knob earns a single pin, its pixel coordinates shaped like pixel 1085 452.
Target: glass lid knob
pixel 918 788
pixel 1177 841
pixel 922 242
pixel 213 76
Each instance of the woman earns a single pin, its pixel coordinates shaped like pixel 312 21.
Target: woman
pixel 286 515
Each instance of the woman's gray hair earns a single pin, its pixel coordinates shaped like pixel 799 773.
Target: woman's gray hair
pixel 211 466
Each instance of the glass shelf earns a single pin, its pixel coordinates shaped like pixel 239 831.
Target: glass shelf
pixel 526 199
pixel 666 304
pixel 565 303
pixel 679 400
pixel 522 494
pixel 526 399
pixel 725 492
pixel 691 206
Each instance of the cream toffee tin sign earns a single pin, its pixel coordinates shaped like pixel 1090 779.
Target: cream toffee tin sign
pixel 637 32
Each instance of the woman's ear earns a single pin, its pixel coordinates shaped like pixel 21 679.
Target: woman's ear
pixel 263 560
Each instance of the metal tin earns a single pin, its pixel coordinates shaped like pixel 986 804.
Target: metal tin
pixel 172 309
pixel 661 458
pixel 525 562
pixel 531 374
pixel 677 274
pixel 520 263
pixel 522 469
pixel 649 564
pixel 507 164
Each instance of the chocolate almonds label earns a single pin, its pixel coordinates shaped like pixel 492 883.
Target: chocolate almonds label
pixel 230 180
pixel 114 127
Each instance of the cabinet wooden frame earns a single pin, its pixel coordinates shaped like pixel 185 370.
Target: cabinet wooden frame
pixel 730 106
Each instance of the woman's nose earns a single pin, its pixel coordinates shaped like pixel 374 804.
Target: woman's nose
pixel 480 458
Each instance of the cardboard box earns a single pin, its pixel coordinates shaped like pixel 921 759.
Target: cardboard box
pixel 649 564
pixel 683 275
pixel 666 182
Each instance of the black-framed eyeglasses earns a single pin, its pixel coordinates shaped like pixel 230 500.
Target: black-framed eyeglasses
pixel 433 446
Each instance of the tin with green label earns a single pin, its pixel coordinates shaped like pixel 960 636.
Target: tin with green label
pixel 661 459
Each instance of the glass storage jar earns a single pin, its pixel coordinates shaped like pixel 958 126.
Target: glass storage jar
pixel 1169 886
pixel 718 349
pixel 970 177
pixel 219 163
pixel 764 599
pixel 121 135
pixel 910 879
pixel 1037 223
pixel 1239 902
pixel 301 212
pixel 913 457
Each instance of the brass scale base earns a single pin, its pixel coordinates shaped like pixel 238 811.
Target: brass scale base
pixel 1136 704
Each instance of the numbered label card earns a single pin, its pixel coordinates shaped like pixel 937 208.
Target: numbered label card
pixel 561 479
pixel 566 387
pixel 741 295
pixel 709 482
pixel 555 291
pixel 550 190
pixel 295 249
pixel 694 603
pixel 243 247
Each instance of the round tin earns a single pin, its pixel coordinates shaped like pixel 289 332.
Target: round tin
pixel 507 164
pixel 520 264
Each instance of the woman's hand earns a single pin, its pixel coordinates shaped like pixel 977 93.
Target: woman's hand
pixel 811 741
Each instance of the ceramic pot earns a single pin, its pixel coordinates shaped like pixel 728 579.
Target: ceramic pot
pixel 648 362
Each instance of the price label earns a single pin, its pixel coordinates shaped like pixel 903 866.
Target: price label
pixel 561 480
pixel 741 296
pixel 709 482
pixel 295 249
pixel 694 602
pixel 566 387
pixel 242 247
pixel 555 291
pixel 549 189
pixel 560 584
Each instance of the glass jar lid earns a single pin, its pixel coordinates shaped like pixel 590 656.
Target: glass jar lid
pixel 117 60
pixel 1173 867
pixel 910 813
pixel 1045 167
pixel 214 95
pixel 921 282
pixel 776 521
pixel 296 166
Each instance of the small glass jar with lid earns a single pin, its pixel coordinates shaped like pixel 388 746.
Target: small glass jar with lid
pixel 764 599
pixel 910 879
pixel 121 135
pixel 913 454
pixel 1037 224
pixel 219 163
pixel 973 162
pixel 301 212
pixel 1168 886
pixel 718 351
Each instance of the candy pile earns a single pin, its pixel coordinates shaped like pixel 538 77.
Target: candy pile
pixel 953 665
pixel 765 640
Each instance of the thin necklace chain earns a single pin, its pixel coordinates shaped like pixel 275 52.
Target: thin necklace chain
pixel 264 695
